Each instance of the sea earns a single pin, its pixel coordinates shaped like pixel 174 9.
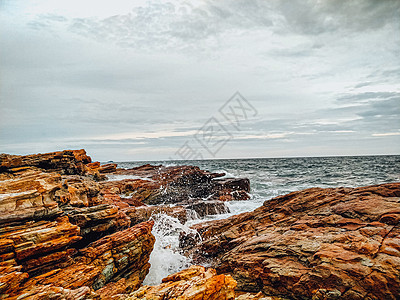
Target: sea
pixel 269 177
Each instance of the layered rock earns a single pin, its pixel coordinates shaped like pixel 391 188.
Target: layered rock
pixel 338 243
pixel 28 194
pixel 63 162
pixel 64 235
pixel 194 283
pixel 49 213
pixel 122 255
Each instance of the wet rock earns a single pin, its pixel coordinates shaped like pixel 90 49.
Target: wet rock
pixel 207 207
pixel 229 189
pixel 194 283
pixel 234 184
pixel 124 254
pixel 338 243
pixel 144 213
pixel 64 235
pixel 164 185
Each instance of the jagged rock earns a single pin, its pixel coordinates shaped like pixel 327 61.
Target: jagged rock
pixel 78 191
pixel 194 283
pixel 11 278
pixel 122 255
pixel 99 219
pixel 40 237
pixel 63 162
pixel 49 292
pixel 64 235
pixel 317 243
pixel 207 207
pixel 108 168
pixel 27 195
pixel 234 184
pixel 144 213
pixel 164 185
pixel 139 190
pixel 228 189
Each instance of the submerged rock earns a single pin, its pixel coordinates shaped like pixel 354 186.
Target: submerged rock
pixel 336 243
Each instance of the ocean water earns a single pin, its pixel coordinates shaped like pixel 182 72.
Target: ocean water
pixel 269 177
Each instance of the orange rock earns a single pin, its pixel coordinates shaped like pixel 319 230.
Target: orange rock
pixel 194 283
pixel 11 279
pixel 317 243
pixel 64 162
pixel 28 195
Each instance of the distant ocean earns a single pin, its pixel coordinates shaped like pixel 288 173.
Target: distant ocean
pixel 269 177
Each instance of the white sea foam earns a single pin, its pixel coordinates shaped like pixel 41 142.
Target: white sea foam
pixel 166 258
pixel 269 178
pixel 227 174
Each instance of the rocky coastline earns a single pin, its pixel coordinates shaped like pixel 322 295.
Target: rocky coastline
pixel 71 228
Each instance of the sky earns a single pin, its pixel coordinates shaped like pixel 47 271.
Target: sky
pixel 154 80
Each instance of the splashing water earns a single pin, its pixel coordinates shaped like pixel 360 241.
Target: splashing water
pixel 166 258
pixel 269 178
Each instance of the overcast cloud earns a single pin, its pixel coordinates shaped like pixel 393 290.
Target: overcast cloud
pixel 135 80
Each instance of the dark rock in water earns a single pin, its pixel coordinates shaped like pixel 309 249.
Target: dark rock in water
pixel 234 184
pixel 63 235
pixel 144 213
pixel 334 243
pixel 165 185
pixel 207 207
pixel 228 189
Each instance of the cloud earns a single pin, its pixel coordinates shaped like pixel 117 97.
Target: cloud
pixel 323 75
pixel 386 134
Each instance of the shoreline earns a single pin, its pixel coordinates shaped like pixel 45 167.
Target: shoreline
pixel 65 229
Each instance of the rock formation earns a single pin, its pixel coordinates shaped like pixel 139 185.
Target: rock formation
pixel 335 243
pixel 194 283
pixel 65 233
pixel 71 228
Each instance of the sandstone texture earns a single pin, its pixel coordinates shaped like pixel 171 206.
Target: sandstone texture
pixel 60 238
pixel 191 284
pixel 66 232
pixel 334 243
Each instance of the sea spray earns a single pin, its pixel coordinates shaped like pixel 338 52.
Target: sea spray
pixel 166 258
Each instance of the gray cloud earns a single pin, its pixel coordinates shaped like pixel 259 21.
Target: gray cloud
pixel 323 76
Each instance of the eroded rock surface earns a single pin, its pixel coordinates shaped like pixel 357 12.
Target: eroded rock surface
pixel 335 243
pixel 194 283
pixel 65 233
pixel 60 238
